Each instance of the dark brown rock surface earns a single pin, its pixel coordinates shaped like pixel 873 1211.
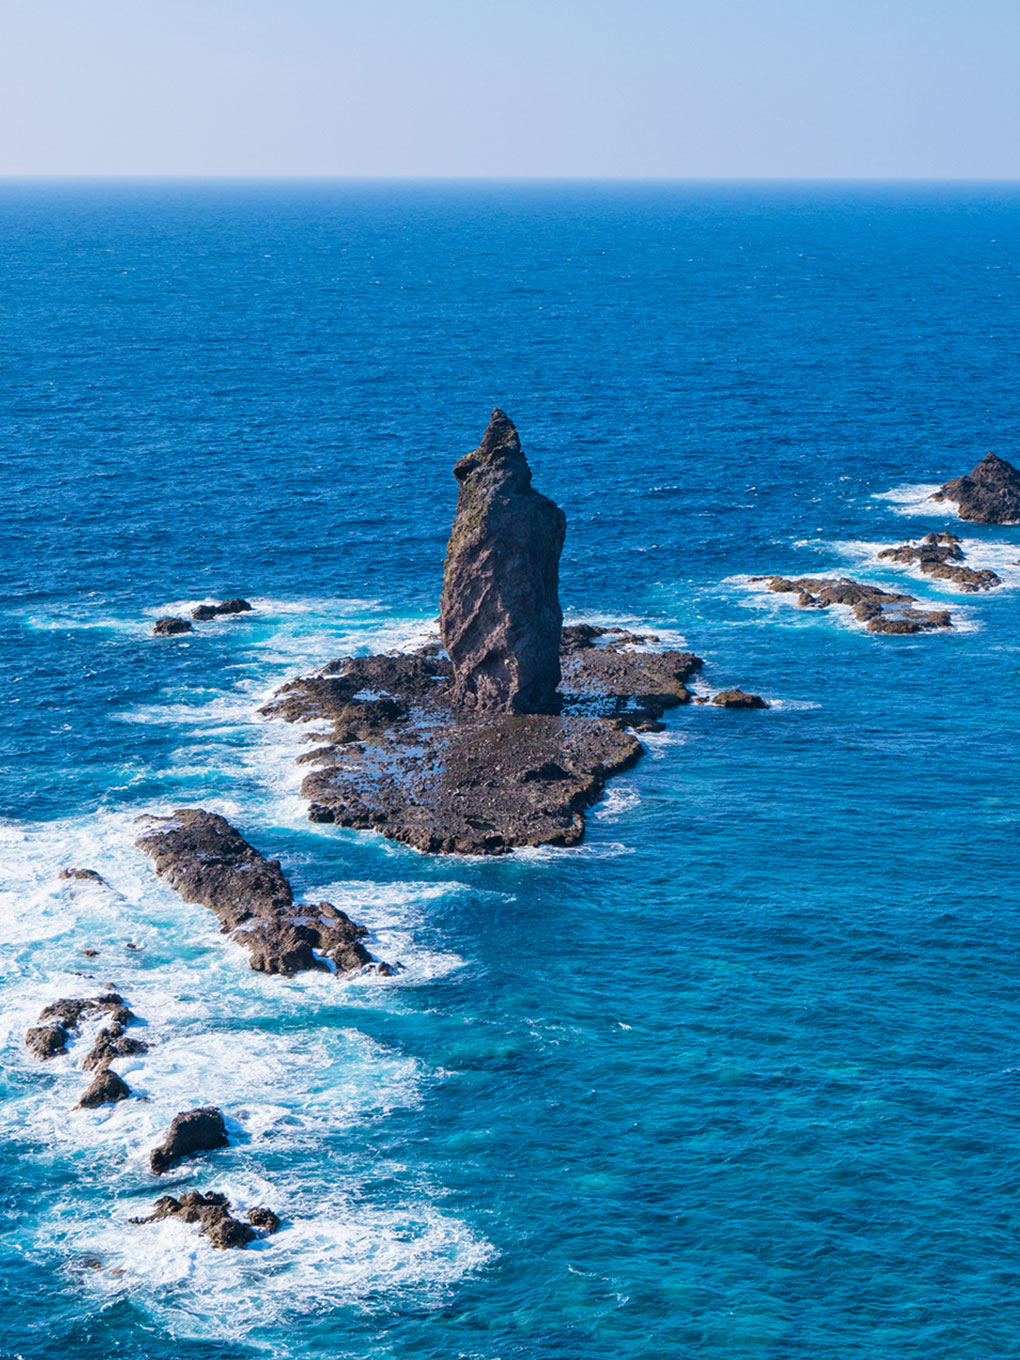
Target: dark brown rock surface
pixel 941 556
pixel 881 611
pixel 990 494
pixel 737 698
pixel 500 611
pixel 190 1132
pixel 400 760
pixel 208 861
pixel 106 1088
pixel 204 612
pixel 211 1212
pixel 170 626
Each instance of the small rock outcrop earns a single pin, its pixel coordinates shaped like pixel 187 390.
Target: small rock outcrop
pixel 737 698
pixel 190 1132
pixel 204 612
pixel 82 876
pixel 989 494
pixel 881 611
pixel 211 1212
pixel 111 1043
pixel 61 1019
pixel 208 861
pixel 105 1089
pixel 500 610
pixel 171 626
pixel 941 556
pixel 47 1041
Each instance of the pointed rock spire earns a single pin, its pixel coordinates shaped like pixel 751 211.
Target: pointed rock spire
pixel 501 616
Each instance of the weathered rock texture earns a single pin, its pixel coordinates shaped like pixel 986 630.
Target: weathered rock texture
pixel 204 612
pixel 61 1020
pixel 500 612
pixel 990 494
pixel 211 1212
pixel 170 626
pixel 942 557
pixel 207 861
pixel 737 698
pixel 190 1132
pixel 400 759
pixel 881 611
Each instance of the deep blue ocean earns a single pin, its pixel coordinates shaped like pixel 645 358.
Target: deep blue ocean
pixel 739 1076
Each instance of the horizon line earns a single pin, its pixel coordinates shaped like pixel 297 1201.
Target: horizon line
pixel 329 178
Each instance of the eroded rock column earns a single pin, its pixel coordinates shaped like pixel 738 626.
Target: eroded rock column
pixel 501 615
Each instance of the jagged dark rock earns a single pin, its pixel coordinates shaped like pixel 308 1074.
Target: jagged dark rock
pixel 500 611
pixel 264 1219
pixel 881 611
pixel 204 612
pixel 82 876
pixel 941 556
pixel 416 770
pixel 111 1043
pixel 171 626
pixel 208 861
pixel 190 1132
pixel 989 494
pixel 47 1041
pixel 105 1089
pixel 211 1212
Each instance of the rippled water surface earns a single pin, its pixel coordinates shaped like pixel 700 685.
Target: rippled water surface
pixel 738 1077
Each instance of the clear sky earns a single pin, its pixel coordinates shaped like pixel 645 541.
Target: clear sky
pixel 733 88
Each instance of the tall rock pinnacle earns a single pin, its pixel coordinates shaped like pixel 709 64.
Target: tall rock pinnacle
pixel 501 616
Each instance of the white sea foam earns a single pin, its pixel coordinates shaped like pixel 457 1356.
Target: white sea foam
pixel 214 1034
pixel 619 799
pixel 1002 558
pixel 914 499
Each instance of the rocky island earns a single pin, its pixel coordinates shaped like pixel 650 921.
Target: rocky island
pixel 881 611
pixel 989 494
pixel 941 556
pixel 505 732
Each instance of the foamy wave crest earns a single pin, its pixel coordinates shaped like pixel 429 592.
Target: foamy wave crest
pixel 914 499
pixel 619 799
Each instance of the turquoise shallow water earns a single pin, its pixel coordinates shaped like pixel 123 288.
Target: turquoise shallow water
pixel 737 1077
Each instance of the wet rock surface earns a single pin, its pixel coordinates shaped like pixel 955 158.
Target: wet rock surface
pixel 170 626
pixel 190 1132
pixel 82 876
pixel 500 610
pixel 941 556
pixel 400 758
pixel 47 1041
pixel 881 611
pixel 60 1022
pixel 989 494
pixel 105 1089
pixel 204 612
pixel 208 861
pixel 211 1213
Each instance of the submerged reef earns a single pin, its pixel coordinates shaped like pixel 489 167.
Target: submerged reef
pixel 988 494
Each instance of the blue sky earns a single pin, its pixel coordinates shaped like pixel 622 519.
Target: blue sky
pixel 731 88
